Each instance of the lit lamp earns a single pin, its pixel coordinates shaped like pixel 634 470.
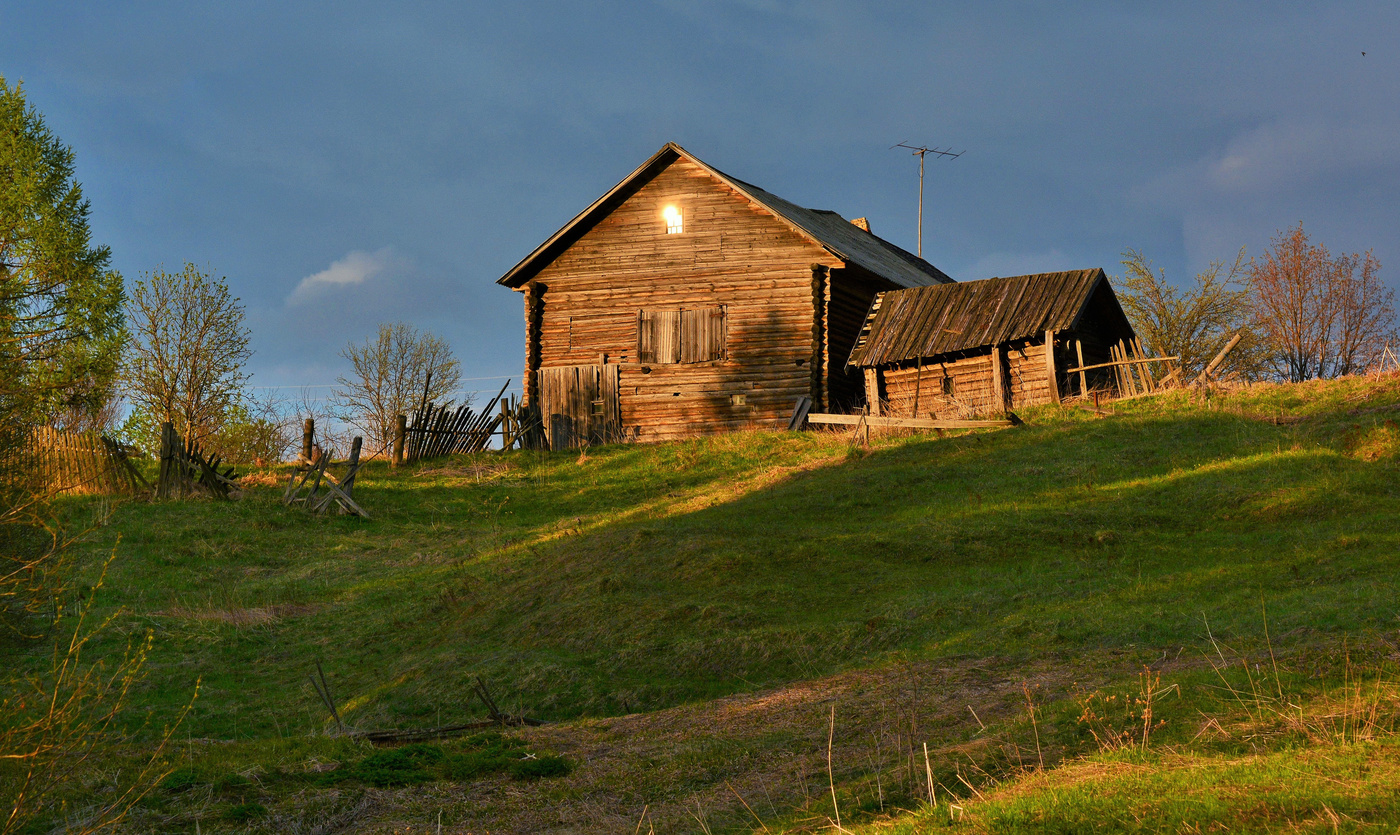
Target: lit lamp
pixel 673 219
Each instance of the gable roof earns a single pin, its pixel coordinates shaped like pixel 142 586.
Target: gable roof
pixel 928 321
pixel 827 229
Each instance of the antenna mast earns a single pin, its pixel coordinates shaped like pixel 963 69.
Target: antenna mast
pixel 921 151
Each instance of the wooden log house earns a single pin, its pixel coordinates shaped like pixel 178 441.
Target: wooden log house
pixel 985 347
pixel 685 302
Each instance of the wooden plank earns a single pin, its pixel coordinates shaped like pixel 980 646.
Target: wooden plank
pixel 998 374
pixel 1083 379
pixel 872 390
pixel 1120 362
pixel 906 423
pixel 1050 367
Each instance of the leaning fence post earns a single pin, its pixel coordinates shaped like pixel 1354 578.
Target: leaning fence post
pixel 308 434
pixel 400 430
pixel 167 455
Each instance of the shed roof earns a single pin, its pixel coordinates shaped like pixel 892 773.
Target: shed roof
pixel 828 229
pixel 929 321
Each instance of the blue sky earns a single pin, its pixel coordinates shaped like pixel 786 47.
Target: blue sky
pixel 347 164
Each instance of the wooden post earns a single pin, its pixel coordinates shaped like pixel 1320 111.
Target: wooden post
pixel 1083 379
pixel 400 429
pixel 534 334
pixel 1219 358
pixel 1053 378
pixel 354 464
pixel 817 362
pixel 308 434
pixel 167 460
pixel 998 380
pixel 1146 368
pixel 872 391
pixel 1125 355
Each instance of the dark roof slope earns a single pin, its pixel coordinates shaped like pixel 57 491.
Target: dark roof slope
pixel 928 321
pixel 837 235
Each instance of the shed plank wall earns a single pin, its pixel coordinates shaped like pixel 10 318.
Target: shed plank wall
pixel 730 254
pixel 972 377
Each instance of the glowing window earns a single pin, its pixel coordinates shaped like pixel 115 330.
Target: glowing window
pixel 673 220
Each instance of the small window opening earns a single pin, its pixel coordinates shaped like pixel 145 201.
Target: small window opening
pixel 596 408
pixel 673 220
pixel 949 388
pixel 738 399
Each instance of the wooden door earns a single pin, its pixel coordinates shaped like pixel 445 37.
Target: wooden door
pixel 579 405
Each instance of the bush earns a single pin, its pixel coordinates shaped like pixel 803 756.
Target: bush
pixel 244 812
pixel 548 765
pixel 181 780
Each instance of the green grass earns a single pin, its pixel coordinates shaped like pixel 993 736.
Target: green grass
pixel 640 578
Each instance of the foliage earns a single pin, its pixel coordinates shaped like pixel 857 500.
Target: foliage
pixel 480 755
pixel 61 328
pixel 61 338
pixel 393 372
pixel 1195 323
pixel 1321 316
pixel 189 349
pixel 56 721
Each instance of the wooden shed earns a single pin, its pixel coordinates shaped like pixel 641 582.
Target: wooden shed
pixel 981 347
pixel 685 302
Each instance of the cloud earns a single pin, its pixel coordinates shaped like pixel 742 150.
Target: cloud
pixel 355 269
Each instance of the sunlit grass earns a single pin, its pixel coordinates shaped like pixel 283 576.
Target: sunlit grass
pixel 629 579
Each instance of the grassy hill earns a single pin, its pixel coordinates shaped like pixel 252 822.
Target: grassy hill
pixel 690 615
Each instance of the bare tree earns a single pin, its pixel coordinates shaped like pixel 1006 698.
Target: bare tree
pixel 1322 316
pixel 1194 323
pixel 188 350
pixel 392 376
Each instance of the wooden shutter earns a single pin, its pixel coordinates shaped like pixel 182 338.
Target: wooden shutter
pixel 659 336
pixel 702 334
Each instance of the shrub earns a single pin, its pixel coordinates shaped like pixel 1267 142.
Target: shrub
pixel 181 780
pixel 245 812
pixel 548 765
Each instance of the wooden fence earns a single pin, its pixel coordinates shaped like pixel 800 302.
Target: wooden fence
pixel 436 431
pixel 81 462
pixel 441 430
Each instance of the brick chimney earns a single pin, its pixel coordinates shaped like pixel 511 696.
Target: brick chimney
pixel 862 223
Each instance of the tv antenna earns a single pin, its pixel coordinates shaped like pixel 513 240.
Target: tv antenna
pixel 921 151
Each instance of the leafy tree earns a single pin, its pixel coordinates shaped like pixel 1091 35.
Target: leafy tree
pixel 1193 323
pixel 188 350
pixel 61 338
pixel 61 328
pixel 1322 316
pixel 391 377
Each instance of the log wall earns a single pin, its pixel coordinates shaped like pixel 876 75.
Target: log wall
pixel 730 253
pixel 915 390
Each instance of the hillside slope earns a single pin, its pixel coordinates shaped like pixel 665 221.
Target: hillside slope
pixel 596 587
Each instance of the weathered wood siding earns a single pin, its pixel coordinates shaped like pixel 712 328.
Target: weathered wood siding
pixel 906 386
pixel 731 254
pixel 849 293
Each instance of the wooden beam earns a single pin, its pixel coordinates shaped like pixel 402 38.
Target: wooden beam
pixel 1083 380
pixel 872 390
pixel 998 378
pixel 1143 367
pixel 1219 358
pixel 908 423
pixel 1050 367
pixel 1120 362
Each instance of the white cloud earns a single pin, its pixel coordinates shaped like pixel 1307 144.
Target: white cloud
pixel 355 269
